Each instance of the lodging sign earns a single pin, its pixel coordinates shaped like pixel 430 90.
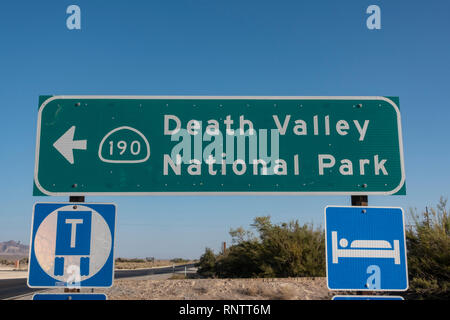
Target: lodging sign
pixel 151 145
pixel 365 249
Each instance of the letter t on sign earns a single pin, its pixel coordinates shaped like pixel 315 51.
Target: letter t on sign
pixel 73 236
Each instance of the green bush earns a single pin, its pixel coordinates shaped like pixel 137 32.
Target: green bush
pixel 291 250
pixel 285 250
pixel 206 264
pixel 242 260
pixel 428 245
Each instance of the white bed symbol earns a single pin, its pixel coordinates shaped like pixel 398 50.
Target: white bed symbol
pixel 364 249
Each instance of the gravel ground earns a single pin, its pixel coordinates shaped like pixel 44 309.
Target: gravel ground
pixel 219 289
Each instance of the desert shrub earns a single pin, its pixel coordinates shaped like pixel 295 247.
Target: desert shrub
pixel 284 250
pixel 291 250
pixel 242 260
pixel 136 260
pixel 6 262
pixel 179 260
pixel 428 245
pixel 206 264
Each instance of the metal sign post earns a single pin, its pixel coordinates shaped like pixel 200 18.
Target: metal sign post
pixel 361 200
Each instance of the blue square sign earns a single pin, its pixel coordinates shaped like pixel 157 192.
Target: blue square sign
pixel 69 296
pixel 368 298
pixel 365 249
pixel 72 245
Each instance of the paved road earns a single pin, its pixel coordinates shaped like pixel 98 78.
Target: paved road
pixel 145 272
pixel 16 287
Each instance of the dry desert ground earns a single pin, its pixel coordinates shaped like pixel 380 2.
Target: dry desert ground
pixel 219 289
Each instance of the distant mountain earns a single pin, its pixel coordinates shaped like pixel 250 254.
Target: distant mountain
pixel 13 248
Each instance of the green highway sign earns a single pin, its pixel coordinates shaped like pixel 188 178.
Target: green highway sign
pixel 155 145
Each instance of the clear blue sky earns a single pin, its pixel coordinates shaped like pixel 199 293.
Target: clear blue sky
pixel 215 47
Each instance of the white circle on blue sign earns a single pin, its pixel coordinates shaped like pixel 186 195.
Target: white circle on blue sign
pixel 45 244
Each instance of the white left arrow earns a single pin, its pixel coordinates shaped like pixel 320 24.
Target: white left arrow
pixel 65 144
